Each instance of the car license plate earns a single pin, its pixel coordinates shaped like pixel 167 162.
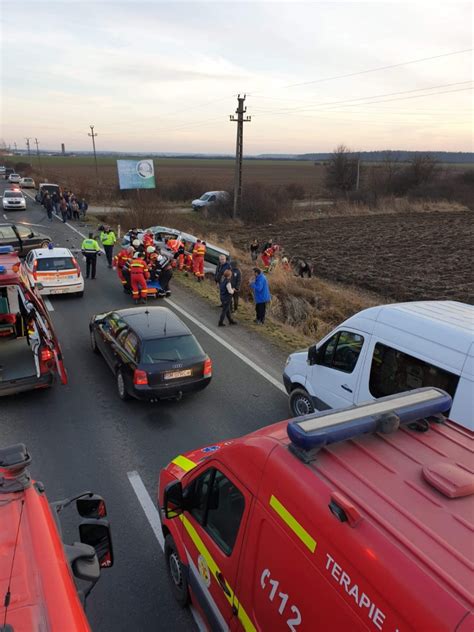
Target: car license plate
pixel 173 375
pixel 58 290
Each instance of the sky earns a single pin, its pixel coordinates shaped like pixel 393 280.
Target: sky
pixel 164 76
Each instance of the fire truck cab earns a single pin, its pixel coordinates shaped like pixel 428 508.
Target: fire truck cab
pixel 355 519
pixel 30 355
pixel 44 582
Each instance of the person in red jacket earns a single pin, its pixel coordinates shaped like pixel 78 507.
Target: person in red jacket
pixel 199 251
pixel 139 273
pixel 119 261
pixel 148 239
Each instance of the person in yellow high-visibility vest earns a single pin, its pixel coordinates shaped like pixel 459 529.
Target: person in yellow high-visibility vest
pixel 90 249
pixel 108 239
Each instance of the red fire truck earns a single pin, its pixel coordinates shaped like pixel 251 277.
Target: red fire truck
pixel 30 355
pixel 44 582
pixel 353 519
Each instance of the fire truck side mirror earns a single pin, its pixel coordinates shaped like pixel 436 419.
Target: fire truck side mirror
pixel 96 533
pixel 92 506
pixel 173 500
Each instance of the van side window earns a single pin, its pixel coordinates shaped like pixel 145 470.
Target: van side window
pixel 218 506
pixel 341 351
pixel 393 371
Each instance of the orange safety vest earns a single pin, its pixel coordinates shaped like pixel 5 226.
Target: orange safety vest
pixel 199 250
pixel 138 266
pixel 121 258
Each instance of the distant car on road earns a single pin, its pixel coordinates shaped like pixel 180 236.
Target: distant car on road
pixel 151 352
pixel 54 271
pixel 14 177
pixel 7 172
pixel 46 187
pixel 209 199
pixel 13 200
pixel 22 238
pixel 27 183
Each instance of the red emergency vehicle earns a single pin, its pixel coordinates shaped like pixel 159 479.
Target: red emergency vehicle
pixel 30 355
pixel 354 519
pixel 37 571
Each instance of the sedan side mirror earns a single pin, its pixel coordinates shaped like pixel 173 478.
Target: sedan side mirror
pixel 173 500
pixel 96 533
pixel 92 506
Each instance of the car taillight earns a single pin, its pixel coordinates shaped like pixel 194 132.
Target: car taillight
pixel 78 269
pixel 140 377
pixel 35 269
pixel 207 367
pixel 46 355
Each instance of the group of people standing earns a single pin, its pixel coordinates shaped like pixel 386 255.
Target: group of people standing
pixel 228 278
pixel 66 204
pixel 271 256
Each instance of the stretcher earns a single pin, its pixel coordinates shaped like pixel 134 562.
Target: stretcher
pixel 154 289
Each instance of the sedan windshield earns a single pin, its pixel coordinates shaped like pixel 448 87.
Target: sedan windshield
pixel 171 349
pixel 51 264
pixel 205 197
pixel 13 194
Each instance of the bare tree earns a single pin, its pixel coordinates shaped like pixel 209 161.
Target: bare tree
pixel 341 171
pixel 423 169
pixel 391 169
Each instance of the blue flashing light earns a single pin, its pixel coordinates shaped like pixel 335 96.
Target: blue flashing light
pixel 6 250
pixel 382 415
pixel 2 269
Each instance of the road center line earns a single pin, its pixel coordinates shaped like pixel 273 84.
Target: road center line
pixel 151 512
pixel 229 347
pixel 48 304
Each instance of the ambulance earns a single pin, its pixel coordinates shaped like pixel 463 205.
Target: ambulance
pixel 43 581
pixel 352 519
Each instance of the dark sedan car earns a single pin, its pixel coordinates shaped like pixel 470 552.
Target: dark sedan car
pixel 23 238
pixel 151 352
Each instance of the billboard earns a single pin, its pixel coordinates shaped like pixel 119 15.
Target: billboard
pixel 136 174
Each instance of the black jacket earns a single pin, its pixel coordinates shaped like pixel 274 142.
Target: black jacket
pixel 236 278
pixel 220 271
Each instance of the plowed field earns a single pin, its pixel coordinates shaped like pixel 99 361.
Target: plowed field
pixel 401 257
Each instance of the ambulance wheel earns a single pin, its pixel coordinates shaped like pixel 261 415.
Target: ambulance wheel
pixel 121 388
pixel 176 572
pixel 300 403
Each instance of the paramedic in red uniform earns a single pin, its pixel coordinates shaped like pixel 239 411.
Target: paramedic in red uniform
pixel 138 275
pixel 119 261
pixel 199 251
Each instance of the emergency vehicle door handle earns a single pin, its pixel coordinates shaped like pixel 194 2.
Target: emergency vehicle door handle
pixel 346 388
pixel 222 583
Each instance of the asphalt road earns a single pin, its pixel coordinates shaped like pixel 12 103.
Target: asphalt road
pixel 82 436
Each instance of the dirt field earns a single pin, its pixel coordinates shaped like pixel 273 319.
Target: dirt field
pixel 401 257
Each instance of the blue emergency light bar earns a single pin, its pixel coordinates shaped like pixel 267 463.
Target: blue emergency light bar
pixel 6 250
pixel 383 415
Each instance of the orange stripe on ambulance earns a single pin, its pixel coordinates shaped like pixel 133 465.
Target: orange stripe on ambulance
pixel 361 599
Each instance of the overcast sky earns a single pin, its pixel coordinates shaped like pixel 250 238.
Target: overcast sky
pixel 163 76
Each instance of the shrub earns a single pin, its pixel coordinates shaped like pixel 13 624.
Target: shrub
pixel 295 191
pixel 262 204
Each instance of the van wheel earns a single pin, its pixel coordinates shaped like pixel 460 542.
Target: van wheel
pixel 300 403
pixel 176 572
pixel 121 388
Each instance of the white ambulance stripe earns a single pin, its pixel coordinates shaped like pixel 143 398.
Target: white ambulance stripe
pixel 210 598
pixel 153 517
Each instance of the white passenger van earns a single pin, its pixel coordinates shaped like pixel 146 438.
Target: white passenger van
pixel 385 350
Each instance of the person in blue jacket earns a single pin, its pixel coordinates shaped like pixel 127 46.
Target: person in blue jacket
pixel 261 293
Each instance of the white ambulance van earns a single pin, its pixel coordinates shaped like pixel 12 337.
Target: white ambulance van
pixel 386 350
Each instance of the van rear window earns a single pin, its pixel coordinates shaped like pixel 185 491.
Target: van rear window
pixel 393 371
pixel 52 264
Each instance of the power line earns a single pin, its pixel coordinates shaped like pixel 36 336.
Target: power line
pixel 369 70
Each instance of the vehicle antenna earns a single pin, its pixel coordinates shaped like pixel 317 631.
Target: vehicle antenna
pixel 6 601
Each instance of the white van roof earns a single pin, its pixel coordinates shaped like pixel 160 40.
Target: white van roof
pixel 449 325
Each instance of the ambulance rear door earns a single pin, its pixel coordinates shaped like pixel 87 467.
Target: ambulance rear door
pixel 213 535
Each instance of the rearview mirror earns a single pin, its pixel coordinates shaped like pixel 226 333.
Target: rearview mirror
pixel 96 533
pixel 173 500
pixel 312 355
pixel 92 506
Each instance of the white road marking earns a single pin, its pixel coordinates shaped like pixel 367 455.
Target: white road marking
pixel 5 216
pixel 151 512
pixel 48 304
pixel 229 347
pixel 30 224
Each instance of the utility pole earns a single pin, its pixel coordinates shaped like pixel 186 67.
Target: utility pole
pixel 16 148
pixel 28 146
pixel 93 135
pixel 240 120
pixel 38 153
pixel 358 174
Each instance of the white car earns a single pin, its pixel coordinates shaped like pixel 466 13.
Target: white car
pixel 54 271
pixel 209 199
pixel 27 183
pixel 13 200
pixel 14 177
